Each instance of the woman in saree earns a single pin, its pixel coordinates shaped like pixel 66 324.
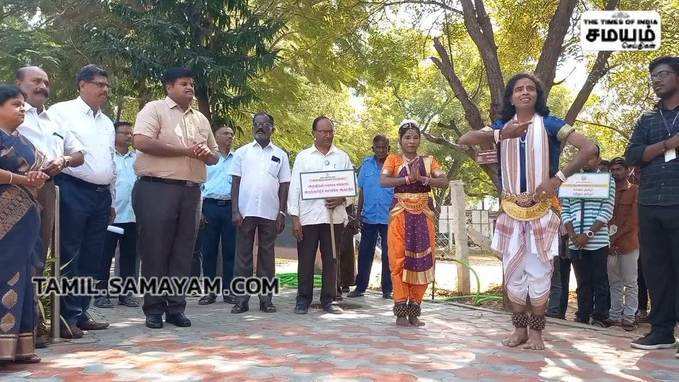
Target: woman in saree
pixel 20 177
pixel 411 234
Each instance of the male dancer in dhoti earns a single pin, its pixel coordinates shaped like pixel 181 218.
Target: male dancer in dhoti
pixel 527 230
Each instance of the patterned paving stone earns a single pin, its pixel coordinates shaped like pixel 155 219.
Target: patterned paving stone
pixel 457 344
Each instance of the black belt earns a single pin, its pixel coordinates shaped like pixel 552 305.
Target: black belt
pixel 84 184
pixel 177 182
pixel 219 202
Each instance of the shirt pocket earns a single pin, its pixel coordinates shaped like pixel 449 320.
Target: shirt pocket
pixel 274 168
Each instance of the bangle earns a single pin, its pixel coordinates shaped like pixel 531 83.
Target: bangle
pixel 282 213
pixel 11 177
pixel 561 176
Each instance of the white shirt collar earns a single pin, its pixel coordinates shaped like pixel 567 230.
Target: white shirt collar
pixel 333 149
pixel 256 144
pixel 85 108
pixel 126 155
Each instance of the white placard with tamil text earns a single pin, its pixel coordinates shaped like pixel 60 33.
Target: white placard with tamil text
pixel 328 184
pixel 620 30
pixel 586 186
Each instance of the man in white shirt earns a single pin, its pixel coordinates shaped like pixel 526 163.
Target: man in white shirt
pixel 85 203
pixel 124 219
pixel 61 150
pixel 259 190
pixel 311 218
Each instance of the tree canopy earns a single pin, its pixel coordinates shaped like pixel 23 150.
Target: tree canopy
pixel 367 64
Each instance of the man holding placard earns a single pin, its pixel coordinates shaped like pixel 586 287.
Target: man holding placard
pixel 312 217
pixel 586 220
pixel 653 147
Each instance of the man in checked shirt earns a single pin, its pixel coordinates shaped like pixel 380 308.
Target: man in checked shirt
pixel 653 147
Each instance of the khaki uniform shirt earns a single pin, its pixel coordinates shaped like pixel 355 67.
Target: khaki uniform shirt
pixel 165 121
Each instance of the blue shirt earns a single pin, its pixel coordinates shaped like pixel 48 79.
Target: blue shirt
pixel 125 178
pixel 376 199
pixel 555 132
pixel 218 183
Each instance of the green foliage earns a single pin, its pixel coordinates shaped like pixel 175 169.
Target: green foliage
pixel 364 64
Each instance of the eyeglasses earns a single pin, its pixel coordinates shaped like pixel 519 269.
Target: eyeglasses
pixel 662 75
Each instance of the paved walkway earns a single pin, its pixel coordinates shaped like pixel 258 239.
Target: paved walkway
pixel 362 344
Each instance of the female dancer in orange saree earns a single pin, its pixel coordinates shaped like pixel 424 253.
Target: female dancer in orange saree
pixel 411 234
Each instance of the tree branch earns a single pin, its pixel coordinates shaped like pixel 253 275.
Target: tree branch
pixel 553 45
pixel 440 4
pixel 445 65
pixel 490 170
pixel 451 126
pixel 478 26
pixel 598 70
pixel 442 141
pixel 623 133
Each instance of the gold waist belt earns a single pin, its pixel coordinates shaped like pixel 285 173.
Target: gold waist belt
pixel 413 202
pixel 524 207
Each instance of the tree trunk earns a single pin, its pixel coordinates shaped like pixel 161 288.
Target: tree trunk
pixel 204 101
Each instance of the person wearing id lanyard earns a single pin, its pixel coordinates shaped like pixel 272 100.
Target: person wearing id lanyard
pixel 259 190
pixel 174 144
pixel 653 147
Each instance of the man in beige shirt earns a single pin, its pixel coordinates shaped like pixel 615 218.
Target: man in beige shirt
pixel 174 143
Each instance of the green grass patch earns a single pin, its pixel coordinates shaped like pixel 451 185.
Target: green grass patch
pixel 289 280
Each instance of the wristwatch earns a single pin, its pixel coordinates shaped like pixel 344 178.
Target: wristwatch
pixel 589 234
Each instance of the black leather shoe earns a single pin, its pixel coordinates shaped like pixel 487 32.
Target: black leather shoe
pixel 128 301
pixel 267 307
pixel 154 321
pixel 387 296
pixel 207 300
pixel 332 309
pixel 90 324
pixel 70 331
pixel 355 293
pixel 239 309
pixel 301 309
pixel 178 319
pixel 230 299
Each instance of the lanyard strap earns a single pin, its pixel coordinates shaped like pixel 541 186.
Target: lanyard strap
pixel 664 121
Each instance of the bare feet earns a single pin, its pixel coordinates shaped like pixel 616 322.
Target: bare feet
pixel 518 337
pixel 402 321
pixel 535 341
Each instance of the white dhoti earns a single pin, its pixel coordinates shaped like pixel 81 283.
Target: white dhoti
pixel 527 249
pixel 528 245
